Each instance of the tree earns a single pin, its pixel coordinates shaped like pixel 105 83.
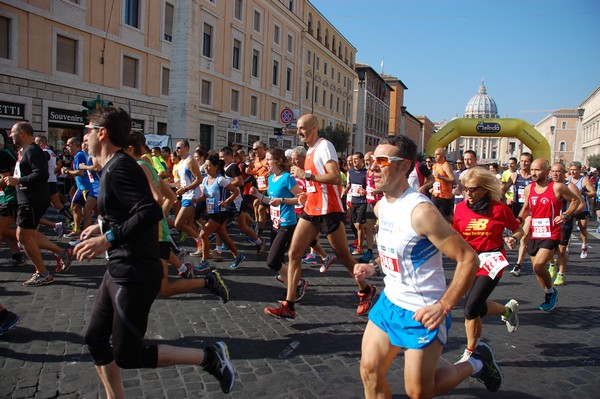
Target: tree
pixel 594 161
pixel 339 138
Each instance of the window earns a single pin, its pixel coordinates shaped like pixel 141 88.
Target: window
pixel 309 57
pixel 275 80
pixel 132 13
pixel 235 100
pixel 237 45
pixel 66 55
pixel 166 76
pixel 332 72
pixel 291 5
pixel 331 101
pixel 273 111
pixel 276 33
pixel 253 106
pixel 337 105
pixel 255 63
pixel 307 91
pixel 563 125
pixel 257 21
pixel 288 79
pixel 206 92
pixel 130 72
pixel 325 68
pixel 562 146
pixel 237 9
pixel 324 98
pixel 161 128
pixel 290 43
pixel 318 66
pixel 316 98
pixel 207 41
pixel 169 11
pixel 4 37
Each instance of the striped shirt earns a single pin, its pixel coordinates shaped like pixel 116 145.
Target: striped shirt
pixel 322 199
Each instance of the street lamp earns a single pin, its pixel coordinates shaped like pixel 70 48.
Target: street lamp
pixel 552 142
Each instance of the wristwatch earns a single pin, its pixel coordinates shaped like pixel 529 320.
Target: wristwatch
pixel 308 175
pixel 110 236
pixel 566 216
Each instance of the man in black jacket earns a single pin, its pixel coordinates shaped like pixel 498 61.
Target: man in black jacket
pixel 128 232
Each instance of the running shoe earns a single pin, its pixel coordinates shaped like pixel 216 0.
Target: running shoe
pixel 18 260
pixel 465 356
pixel 217 286
pixel 8 322
pixel 516 271
pixel 72 235
pixel 282 312
pixel 560 279
pixel 512 321
pixel 59 229
pixel 280 279
pixel 66 257
pixel 203 266
pixel 198 249
pixel 189 271
pixel 490 375
pixel 550 301
pixel 301 289
pixel 584 253
pixel 182 254
pixel 367 256
pixel 310 259
pixel 221 367
pixel 357 251
pixel 366 301
pixel 237 261
pixel 552 271
pixel 328 261
pixel 37 280
pixel 182 236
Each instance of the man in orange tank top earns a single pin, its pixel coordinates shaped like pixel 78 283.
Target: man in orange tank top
pixel 323 212
pixel 441 193
pixel 543 201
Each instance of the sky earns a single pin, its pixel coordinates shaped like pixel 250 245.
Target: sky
pixel 535 56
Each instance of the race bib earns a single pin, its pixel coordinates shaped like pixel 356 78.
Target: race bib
pixel 389 261
pixel 492 263
pixel 275 216
pixel 310 187
pixel 211 206
pixel 261 182
pixel 437 187
pixel 90 176
pixel 355 190
pixel 540 228
pixel 370 195
pixel 521 195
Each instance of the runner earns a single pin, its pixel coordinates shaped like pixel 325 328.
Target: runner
pixel 441 193
pixel 587 191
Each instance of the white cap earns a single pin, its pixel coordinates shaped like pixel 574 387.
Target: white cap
pixel 288 153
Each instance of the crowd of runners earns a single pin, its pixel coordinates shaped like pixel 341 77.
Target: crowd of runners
pixel 137 206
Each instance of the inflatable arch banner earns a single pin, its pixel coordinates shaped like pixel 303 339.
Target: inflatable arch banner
pixel 493 127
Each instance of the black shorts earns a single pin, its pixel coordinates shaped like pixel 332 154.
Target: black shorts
pixel 248 203
pixel 200 210
pixel 9 210
pixel 29 214
pixel 164 250
pixel 567 229
pixel 533 246
pixel 359 213
pixel 583 215
pixel 53 187
pixel 220 217
pixel 444 205
pixel 371 212
pixel 326 224
pixel 80 197
pixel 516 208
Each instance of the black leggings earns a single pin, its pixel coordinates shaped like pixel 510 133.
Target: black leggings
pixel 475 305
pixel 280 243
pixel 121 311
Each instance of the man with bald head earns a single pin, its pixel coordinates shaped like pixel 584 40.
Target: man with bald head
pixel 323 212
pixel 441 193
pixel 543 202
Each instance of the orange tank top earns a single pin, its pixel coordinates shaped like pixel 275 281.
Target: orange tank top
pixel 441 189
pixel 321 199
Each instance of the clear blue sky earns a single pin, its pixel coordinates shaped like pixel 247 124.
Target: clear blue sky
pixel 535 56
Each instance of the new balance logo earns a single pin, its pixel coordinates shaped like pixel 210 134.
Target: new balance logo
pixel 477 225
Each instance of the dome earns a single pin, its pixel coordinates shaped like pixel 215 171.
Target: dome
pixel 481 105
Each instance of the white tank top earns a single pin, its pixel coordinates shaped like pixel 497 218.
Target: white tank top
pixel 186 178
pixel 414 276
pixel 51 165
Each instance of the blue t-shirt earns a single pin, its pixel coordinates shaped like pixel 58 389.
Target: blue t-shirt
pixel 282 189
pixel 358 179
pixel 83 182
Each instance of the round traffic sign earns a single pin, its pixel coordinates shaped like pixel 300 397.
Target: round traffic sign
pixel 286 116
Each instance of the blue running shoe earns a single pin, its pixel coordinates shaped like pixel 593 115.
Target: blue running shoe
pixel 203 266
pixel 238 260
pixel 367 256
pixel 8 322
pixel 550 301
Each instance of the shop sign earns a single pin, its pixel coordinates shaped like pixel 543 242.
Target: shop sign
pixel 56 115
pixel 137 124
pixel 12 110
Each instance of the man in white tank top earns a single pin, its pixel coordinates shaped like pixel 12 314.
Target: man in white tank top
pixel 413 312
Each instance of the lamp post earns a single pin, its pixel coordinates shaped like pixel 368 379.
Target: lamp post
pixel 552 143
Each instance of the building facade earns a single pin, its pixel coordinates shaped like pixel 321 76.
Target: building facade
pixel 589 127
pixel 560 129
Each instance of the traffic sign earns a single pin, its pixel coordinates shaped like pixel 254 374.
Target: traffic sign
pixel 235 125
pixel 286 115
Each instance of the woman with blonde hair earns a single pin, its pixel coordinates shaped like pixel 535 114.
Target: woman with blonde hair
pixel 481 219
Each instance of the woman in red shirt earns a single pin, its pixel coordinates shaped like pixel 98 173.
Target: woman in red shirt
pixel 481 220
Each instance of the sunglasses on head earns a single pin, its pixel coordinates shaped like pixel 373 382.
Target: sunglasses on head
pixel 384 160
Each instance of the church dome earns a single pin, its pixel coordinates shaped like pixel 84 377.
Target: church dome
pixel 481 105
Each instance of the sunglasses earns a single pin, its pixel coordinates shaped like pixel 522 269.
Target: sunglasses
pixel 89 128
pixel 471 190
pixel 385 160
pixel 460 163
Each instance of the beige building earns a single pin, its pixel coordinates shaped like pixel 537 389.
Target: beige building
pixel 560 128
pixel 589 127
pixel 428 129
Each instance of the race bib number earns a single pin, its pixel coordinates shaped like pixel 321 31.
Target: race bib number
pixel 261 182
pixel 540 228
pixel 355 190
pixel 389 261
pixel 211 206
pixel 310 187
pixel 275 216
pixel 90 176
pixel 521 195
pixel 437 187
pixel 492 263
pixel 370 195
pixel 17 173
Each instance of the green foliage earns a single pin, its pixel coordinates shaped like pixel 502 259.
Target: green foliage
pixel 338 137
pixel 594 161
